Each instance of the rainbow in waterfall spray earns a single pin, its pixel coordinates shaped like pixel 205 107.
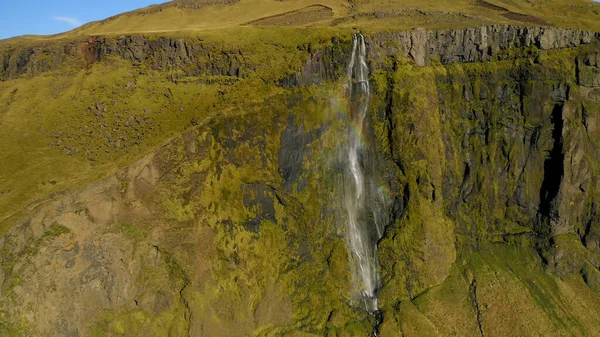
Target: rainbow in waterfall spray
pixel 364 198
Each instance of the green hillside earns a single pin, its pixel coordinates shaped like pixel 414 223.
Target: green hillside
pixel 197 15
pixel 176 170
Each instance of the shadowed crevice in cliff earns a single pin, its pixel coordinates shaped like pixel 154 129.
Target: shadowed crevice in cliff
pixel 188 310
pixel 588 236
pixel 399 208
pixel 466 188
pixel 389 104
pixel 553 166
pixel 178 275
pixel 475 302
pixel 553 175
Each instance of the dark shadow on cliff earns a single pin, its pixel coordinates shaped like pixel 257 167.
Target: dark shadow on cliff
pixel 553 176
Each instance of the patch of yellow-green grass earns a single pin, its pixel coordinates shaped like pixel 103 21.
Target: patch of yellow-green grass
pixel 401 15
pixel 409 19
pixel 215 16
pixel 582 14
pixel 506 292
pixel 102 119
pixel 53 140
pixel 67 128
pixel 449 307
pixel 138 322
pixel 405 14
pixel 407 320
pixel 10 328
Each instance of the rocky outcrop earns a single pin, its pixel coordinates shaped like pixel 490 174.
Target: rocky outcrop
pixel 190 57
pixel 588 71
pixel 85 240
pixel 194 57
pixel 474 44
pixel 425 47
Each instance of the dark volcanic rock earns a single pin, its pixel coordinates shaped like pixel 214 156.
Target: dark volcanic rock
pixel 163 53
pixel 446 46
pixel 197 58
pixel 473 44
pixel 293 148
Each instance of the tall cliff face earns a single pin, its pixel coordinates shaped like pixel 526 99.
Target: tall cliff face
pixel 489 141
pixel 192 56
pixel 502 151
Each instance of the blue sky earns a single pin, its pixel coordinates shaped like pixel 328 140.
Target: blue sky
pixel 55 16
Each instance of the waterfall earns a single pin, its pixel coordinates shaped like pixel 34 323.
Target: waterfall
pixel 363 198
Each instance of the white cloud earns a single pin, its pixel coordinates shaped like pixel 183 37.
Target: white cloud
pixel 71 21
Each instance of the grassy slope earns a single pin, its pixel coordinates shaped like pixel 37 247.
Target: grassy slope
pixel 500 282
pixel 220 16
pixel 407 14
pixel 582 14
pixel 89 110
pixel 35 112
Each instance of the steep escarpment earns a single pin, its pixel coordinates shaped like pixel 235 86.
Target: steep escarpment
pixel 190 55
pixel 90 116
pixel 494 153
pixel 198 57
pixel 488 139
pixel 425 47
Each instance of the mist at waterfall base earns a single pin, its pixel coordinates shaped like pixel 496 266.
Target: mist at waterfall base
pixel 365 198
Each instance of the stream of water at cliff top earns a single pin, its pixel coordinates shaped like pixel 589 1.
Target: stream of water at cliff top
pixel 362 196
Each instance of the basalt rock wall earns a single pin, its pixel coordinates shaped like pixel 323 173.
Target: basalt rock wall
pixel 192 56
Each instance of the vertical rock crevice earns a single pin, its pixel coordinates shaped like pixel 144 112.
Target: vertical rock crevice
pixel 553 176
pixel 389 103
pixel 475 303
pixel 553 166
pixel 188 310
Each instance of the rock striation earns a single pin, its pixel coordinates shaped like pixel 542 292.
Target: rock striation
pixel 422 46
pixel 425 47
pixel 196 57
pixel 477 44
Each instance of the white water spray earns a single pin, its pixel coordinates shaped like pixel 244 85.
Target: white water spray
pixel 365 223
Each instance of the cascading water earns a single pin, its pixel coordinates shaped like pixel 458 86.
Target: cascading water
pixel 364 200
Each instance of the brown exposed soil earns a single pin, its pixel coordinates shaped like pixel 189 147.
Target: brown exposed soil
pixel 201 3
pixel 488 5
pixel 512 15
pixel 302 16
pixel 89 51
pixel 405 14
pixel 525 18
